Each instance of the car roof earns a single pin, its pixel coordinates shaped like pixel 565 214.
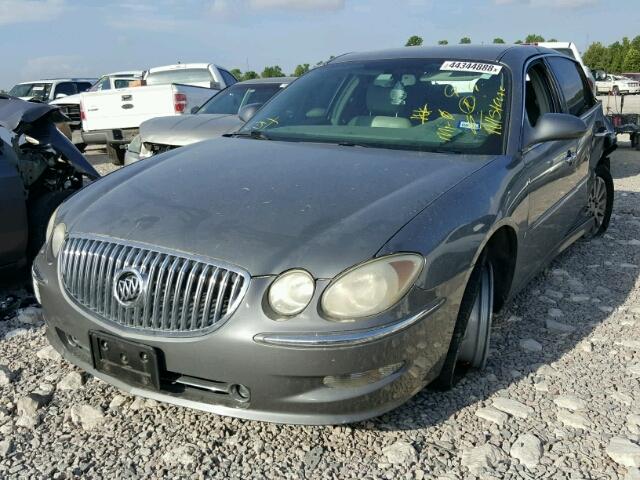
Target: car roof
pixel 267 80
pixel 179 66
pixel 49 80
pixel 487 53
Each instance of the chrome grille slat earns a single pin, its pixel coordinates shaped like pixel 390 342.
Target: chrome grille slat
pixel 184 295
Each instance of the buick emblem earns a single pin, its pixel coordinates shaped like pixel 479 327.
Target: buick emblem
pixel 128 287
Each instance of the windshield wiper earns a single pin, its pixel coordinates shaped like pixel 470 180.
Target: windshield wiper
pixel 255 134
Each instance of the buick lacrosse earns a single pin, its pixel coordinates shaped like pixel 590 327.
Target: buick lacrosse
pixel 343 249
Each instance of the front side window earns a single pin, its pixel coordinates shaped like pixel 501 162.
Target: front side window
pixel 576 92
pixel 232 99
pixel 102 84
pixel 37 91
pixel 406 104
pixel 182 75
pixel 538 98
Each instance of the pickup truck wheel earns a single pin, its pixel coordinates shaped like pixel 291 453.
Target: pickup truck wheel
pixel 600 201
pixel 39 210
pixel 469 345
pixel 116 154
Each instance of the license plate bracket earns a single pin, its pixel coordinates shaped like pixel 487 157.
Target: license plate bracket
pixel 132 362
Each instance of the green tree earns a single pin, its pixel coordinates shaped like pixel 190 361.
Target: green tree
pixel 518 42
pixel 552 40
pixel 443 42
pixel 250 75
pixel 498 40
pixel 301 70
pixel 596 57
pixel 465 41
pixel 631 60
pixel 534 38
pixel 272 71
pixel 413 41
pixel 236 73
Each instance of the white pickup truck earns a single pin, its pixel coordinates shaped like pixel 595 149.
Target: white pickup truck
pixel 113 117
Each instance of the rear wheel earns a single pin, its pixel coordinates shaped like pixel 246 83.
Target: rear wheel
pixel 469 347
pixel 116 154
pixel 600 201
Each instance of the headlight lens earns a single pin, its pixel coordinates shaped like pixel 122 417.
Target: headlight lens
pixel 135 145
pixel 291 292
pixel 372 287
pixel 50 225
pixel 57 239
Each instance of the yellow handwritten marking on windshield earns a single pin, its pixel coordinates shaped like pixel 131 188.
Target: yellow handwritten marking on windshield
pixel 492 121
pixel 467 104
pixel 450 91
pixel 447 131
pixel 421 114
pixel 266 123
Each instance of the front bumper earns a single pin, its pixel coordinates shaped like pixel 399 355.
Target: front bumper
pixel 286 382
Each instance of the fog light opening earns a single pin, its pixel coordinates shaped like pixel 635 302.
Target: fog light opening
pixel 240 392
pixel 361 379
pixel 72 341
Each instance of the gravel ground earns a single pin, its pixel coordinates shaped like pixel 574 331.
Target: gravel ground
pixel 560 397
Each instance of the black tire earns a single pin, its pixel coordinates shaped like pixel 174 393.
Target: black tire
pixel 615 90
pixel 453 368
pixel 81 146
pixel 39 213
pixel 116 154
pixel 601 213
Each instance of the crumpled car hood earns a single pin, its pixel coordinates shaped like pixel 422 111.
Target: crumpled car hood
pixel 268 206
pixel 183 130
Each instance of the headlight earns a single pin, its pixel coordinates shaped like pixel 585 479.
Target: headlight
pixel 135 145
pixel 57 238
pixel 50 225
pixel 372 287
pixel 291 292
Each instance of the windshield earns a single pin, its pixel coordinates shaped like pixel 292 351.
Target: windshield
pixel 38 91
pixel 182 75
pixel 232 99
pixel 415 104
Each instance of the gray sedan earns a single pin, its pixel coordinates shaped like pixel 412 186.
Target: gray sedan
pixel 218 116
pixel 345 248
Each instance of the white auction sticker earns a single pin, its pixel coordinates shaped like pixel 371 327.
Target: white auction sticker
pixel 458 66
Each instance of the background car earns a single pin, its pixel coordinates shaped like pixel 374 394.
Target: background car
pixel 51 89
pixel 616 84
pixel 218 116
pixel 346 247
pixel 70 105
pixel 113 117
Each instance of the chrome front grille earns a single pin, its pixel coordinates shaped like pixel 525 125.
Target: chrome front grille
pixel 180 295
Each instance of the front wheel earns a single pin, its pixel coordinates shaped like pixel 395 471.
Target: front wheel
pixel 600 201
pixel 469 347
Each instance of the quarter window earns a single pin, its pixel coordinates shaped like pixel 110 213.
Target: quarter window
pixel 574 87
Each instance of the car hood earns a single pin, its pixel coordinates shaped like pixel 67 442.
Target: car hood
pixel 268 206
pixel 68 100
pixel 187 129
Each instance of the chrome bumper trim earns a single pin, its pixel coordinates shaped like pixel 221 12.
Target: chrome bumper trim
pixel 347 338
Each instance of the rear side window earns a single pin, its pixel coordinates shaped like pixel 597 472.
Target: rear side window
pixel 572 84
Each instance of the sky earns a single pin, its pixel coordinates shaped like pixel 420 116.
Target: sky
pixel 53 38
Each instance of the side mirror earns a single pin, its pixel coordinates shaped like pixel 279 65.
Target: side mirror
pixel 195 109
pixel 61 95
pixel 600 75
pixel 247 112
pixel 555 126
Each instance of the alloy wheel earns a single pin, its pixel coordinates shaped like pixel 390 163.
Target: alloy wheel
pixel 597 202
